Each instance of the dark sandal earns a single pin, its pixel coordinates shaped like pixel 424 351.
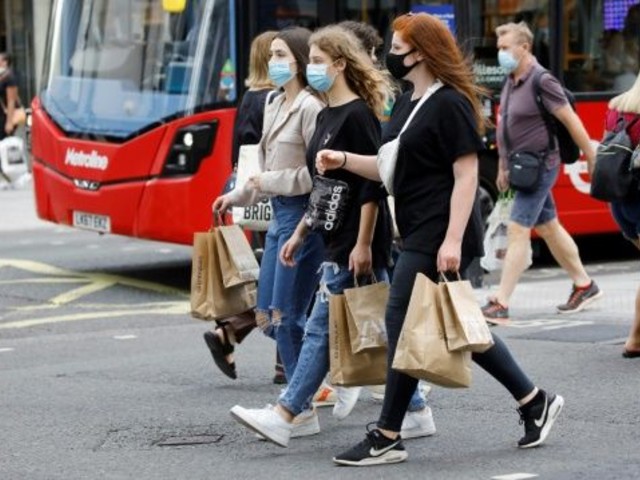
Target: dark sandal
pixel 219 351
pixel 630 353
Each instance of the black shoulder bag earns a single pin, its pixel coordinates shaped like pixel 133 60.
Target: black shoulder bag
pixel 613 178
pixel 525 168
pixel 327 204
pixel 567 147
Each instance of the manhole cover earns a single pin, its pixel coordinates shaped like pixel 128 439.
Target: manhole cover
pixel 191 440
pixel 144 438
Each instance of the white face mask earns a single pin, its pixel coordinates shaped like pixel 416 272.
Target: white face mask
pixel 3 70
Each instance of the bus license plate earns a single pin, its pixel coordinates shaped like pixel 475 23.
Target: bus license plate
pixel 91 221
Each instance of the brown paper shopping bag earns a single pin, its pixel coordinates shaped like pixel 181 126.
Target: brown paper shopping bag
pixel 210 300
pixel 350 369
pixel 422 347
pixel 464 323
pixel 237 260
pixel 365 308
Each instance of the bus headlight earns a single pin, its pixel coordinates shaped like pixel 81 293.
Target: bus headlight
pixel 190 146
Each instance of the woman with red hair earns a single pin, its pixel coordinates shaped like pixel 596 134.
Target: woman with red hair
pixel 435 181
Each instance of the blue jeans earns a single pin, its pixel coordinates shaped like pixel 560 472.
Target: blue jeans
pixel 313 363
pixel 285 293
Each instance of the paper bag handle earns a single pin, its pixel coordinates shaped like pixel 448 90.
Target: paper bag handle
pixel 443 276
pixel 370 275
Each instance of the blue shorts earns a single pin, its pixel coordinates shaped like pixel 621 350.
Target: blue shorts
pixel 627 216
pixel 537 208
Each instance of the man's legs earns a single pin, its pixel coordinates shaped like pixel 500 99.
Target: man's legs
pixel 515 262
pixel 529 209
pixel 564 250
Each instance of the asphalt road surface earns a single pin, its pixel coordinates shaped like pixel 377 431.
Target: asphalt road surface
pixel 104 375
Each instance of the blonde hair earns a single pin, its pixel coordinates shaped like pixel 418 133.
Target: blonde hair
pixel 259 62
pixel 628 101
pixel 521 32
pixel 360 74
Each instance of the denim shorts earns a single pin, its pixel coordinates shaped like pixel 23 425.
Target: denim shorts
pixel 627 216
pixel 536 208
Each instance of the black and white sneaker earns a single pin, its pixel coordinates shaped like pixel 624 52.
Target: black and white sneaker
pixel 375 449
pixel 538 417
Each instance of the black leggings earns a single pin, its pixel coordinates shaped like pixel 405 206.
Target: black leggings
pixel 497 361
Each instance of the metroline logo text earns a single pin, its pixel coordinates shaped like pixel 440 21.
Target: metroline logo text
pixel 77 158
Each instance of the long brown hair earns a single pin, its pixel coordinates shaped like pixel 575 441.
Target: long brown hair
pixel 297 39
pixel 361 76
pixel 259 61
pixel 442 56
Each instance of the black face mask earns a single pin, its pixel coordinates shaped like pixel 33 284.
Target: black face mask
pixel 396 66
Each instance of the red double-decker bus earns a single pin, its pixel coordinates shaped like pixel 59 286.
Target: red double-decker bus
pixel 132 128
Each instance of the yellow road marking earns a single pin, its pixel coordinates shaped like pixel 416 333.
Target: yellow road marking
pixel 93 282
pixel 90 277
pixel 177 308
pixel 77 293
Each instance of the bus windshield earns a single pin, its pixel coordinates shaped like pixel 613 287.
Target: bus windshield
pixel 117 67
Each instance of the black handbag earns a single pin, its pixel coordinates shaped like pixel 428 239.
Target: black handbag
pixel 612 178
pixel 525 168
pixel 525 171
pixel 327 204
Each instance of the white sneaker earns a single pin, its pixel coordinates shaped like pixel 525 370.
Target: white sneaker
pixel 265 421
pixel 425 388
pixel 347 398
pixel 377 392
pixel 306 424
pixel 325 396
pixel 418 424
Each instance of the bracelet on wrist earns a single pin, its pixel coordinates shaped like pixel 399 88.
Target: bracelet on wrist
pixel 344 162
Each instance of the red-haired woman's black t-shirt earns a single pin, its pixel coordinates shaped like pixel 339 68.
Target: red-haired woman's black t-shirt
pixel 443 130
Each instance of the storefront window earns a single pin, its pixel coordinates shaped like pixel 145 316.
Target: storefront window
pixel 482 43
pixel 600 45
pixel 279 14
pixel 377 13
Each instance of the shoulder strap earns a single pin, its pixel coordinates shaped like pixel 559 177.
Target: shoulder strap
pixel 546 116
pixel 504 114
pixel 632 122
pixel 271 96
pixel 430 91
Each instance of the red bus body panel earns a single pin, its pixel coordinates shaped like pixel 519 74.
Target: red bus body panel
pixel 138 200
pixel 141 203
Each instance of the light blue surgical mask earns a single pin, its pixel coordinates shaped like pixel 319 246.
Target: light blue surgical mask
pixel 280 73
pixel 507 61
pixel 319 78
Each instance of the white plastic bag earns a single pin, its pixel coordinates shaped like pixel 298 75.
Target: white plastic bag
pixel 495 237
pixel 255 217
pixel 13 162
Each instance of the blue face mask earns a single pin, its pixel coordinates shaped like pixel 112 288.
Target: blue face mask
pixel 280 73
pixel 319 78
pixel 507 61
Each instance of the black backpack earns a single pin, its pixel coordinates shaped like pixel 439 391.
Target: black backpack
pixel 569 151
